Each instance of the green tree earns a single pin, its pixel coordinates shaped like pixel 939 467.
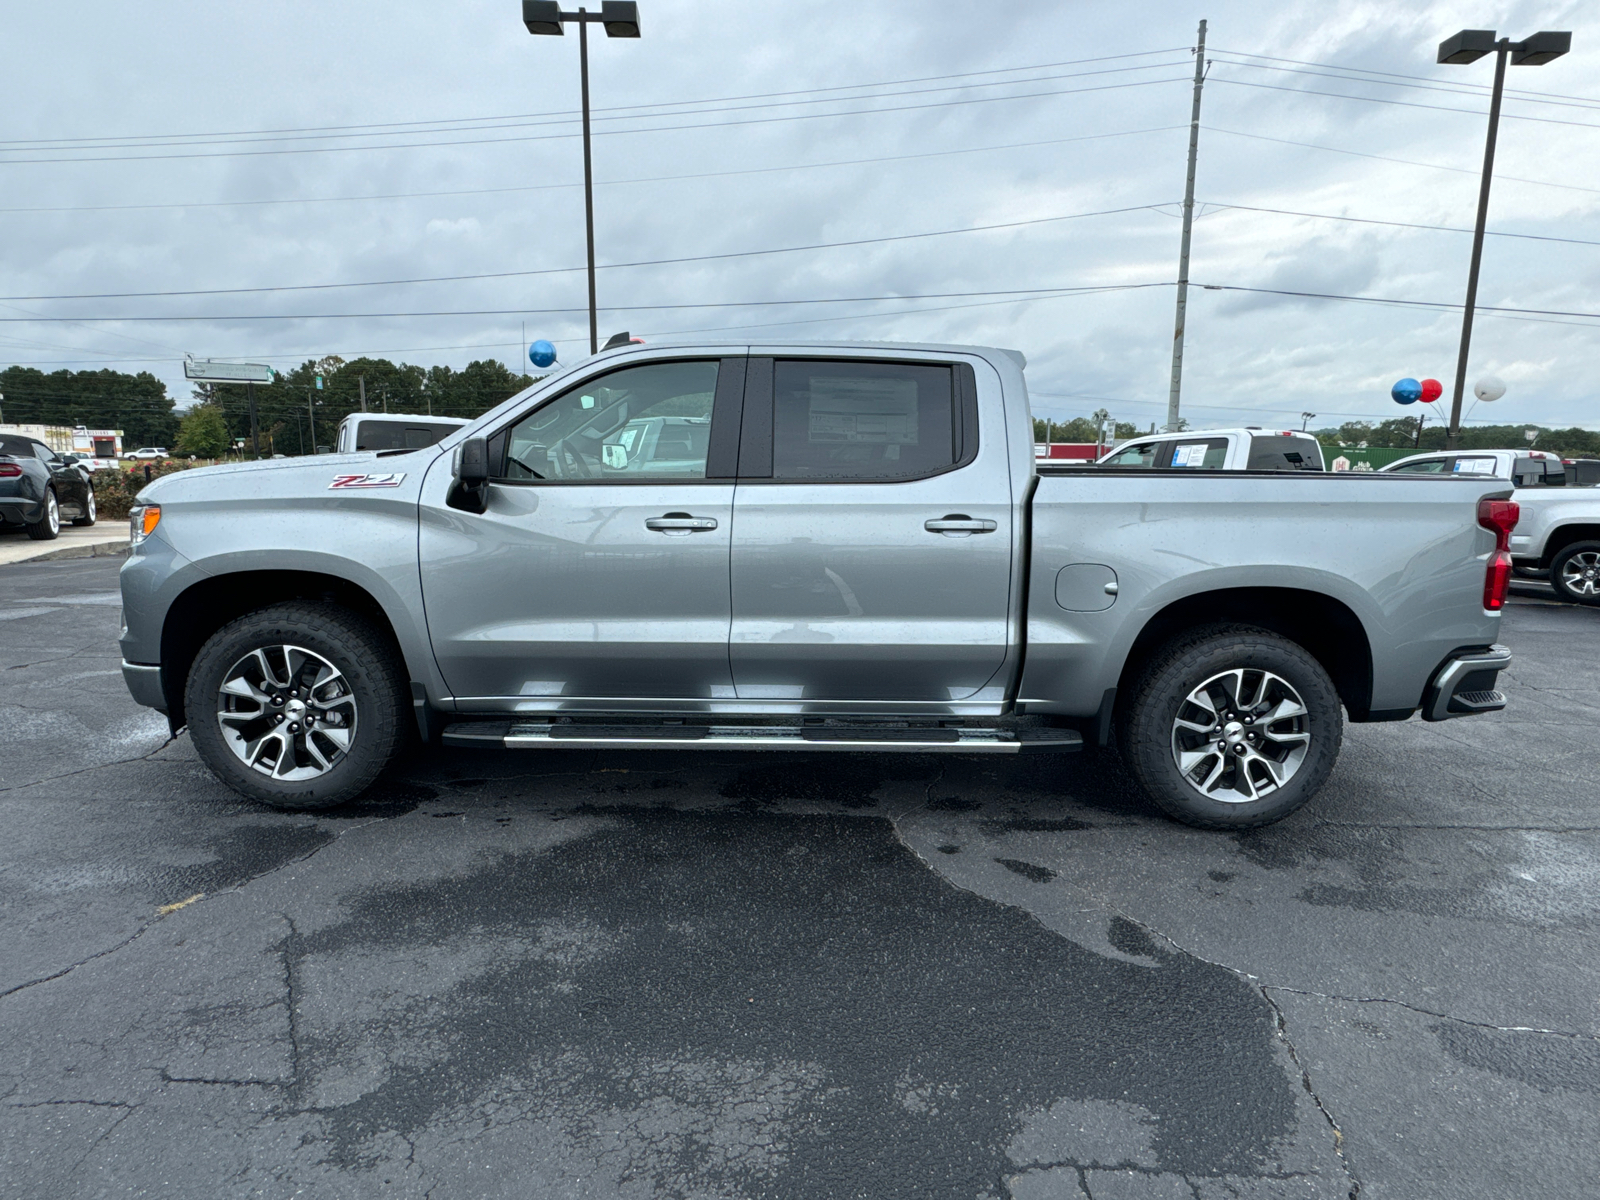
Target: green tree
pixel 204 432
pixel 136 404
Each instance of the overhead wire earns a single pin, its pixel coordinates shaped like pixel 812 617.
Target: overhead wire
pixel 657 262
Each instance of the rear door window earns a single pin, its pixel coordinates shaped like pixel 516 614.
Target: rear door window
pixel 1206 454
pixel 1473 465
pixel 862 422
pixel 1427 466
pixel 1143 454
pixel 1278 453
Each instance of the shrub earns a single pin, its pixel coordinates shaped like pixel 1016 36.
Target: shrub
pixel 116 487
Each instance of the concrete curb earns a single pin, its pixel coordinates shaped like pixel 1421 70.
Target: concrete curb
pixel 104 549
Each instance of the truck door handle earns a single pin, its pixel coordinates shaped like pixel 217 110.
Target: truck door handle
pixel 678 524
pixel 958 525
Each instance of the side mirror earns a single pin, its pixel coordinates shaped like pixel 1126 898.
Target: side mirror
pixel 470 468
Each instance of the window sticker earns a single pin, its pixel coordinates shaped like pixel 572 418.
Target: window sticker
pixel 1474 466
pixel 1193 455
pixel 876 411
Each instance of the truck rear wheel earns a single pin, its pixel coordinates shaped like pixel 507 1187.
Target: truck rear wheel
pixel 297 705
pixel 1231 727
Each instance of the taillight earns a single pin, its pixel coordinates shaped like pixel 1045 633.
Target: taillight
pixel 1496 580
pixel 1499 517
pixel 9 470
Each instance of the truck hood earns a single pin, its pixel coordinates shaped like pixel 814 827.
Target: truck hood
pixel 316 472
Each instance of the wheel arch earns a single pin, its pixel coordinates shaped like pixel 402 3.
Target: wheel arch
pixel 210 603
pixel 1325 627
pixel 1563 536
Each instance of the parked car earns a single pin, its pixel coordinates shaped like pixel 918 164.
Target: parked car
pixel 866 557
pixel 144 453
pixel 1248 449
pixel 38 488
pixel 1558 535
pixel 392 431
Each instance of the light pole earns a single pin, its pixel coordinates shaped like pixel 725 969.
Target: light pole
pixel 621 19
pixel 1305 419
pixel 1469 46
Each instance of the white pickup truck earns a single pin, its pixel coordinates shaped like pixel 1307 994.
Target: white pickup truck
pixel 1558 529
pixel 1247 449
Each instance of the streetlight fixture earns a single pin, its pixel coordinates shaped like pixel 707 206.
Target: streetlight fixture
pixel 1305 419
pixel 1469 46
pixel 621 19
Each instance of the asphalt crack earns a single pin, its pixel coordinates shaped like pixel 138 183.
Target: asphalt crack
pixel 290 979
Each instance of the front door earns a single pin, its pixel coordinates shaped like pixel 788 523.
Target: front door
pixel 872 535
pixel 600 568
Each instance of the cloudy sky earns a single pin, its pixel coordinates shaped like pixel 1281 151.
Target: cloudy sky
pixel 976 161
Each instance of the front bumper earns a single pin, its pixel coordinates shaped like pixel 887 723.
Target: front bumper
pixel 144 682
pixel 1464 686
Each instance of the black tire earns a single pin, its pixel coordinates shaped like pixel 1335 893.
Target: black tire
pixel 1147 728
pixel 90 513
pixel 48 527
pixel 368 665
pixel 1579 559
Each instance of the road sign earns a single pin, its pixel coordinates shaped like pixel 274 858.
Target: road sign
pixel 211 371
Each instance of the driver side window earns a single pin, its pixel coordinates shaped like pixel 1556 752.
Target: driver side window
pixel 650 422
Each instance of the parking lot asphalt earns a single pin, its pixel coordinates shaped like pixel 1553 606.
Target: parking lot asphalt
pixel 695 975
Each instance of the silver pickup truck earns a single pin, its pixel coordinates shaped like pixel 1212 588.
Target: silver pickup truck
pixel 804 548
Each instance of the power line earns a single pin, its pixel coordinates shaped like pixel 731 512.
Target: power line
pixel 37 143
pixel 658 262
pixel 1480 88
pixel 1471 112
pixel 1407 162
pixel 598 133
pixel 541 187
pixel 1476 91
pixel 1288 212
pixel 544 122
pixel 511 312
pixel 1441 305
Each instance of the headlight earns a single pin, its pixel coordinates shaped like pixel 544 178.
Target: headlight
pixel 142 521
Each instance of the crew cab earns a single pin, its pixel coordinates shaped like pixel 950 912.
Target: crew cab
pixel 1248 449
pixel 804 547
pixel 38 487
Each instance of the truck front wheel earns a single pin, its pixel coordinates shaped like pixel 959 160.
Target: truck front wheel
pixel 1575 573
pixel 297 705
pixel 1231 727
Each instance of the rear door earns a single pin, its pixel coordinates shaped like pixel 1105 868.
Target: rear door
pixel 872 537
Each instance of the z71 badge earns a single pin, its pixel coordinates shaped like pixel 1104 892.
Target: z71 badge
pixel 367 481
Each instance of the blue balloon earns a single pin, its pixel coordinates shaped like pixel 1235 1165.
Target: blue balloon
pixel 542 354
pixel 1407 391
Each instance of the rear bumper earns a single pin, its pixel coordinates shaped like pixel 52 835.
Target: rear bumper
pixel 144 682
pixel 19 510
pixel 1464 685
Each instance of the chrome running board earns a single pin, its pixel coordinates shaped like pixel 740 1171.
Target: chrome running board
pixel 902 739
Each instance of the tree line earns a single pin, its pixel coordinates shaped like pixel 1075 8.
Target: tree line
pixel 287 410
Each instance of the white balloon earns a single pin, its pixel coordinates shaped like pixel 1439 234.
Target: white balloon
pixel 1489 388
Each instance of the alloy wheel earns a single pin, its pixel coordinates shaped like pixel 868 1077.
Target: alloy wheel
pixel 1580 574
pixel 286 712
pixel 1240 735
pixel 52 513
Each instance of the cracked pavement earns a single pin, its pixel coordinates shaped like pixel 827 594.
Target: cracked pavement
pixel 696 975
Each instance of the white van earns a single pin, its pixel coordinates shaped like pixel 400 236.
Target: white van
pixel 392 431
pixel 1248 449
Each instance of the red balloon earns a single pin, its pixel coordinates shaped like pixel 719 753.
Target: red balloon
pixel 1432 389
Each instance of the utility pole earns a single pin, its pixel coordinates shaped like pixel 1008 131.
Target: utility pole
pixel 255 429
pixel 361 382
pixel 1188 226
